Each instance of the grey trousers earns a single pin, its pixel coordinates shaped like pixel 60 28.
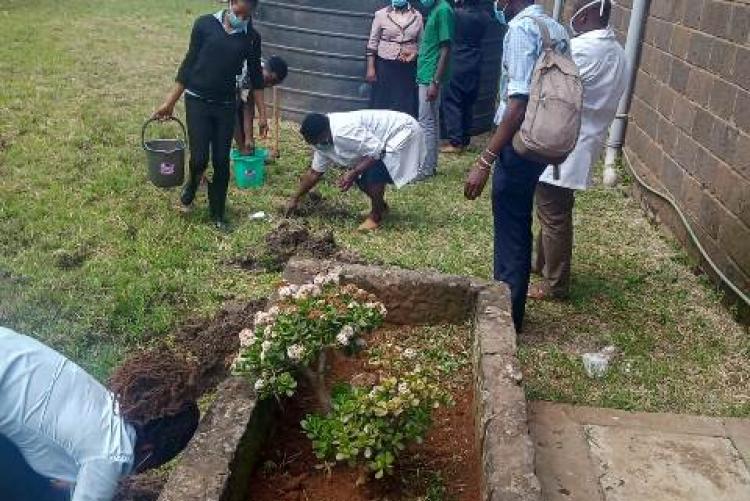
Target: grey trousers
pixel 429 119
pixel 554 243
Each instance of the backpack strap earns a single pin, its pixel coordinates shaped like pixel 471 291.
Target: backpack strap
pixel 546 38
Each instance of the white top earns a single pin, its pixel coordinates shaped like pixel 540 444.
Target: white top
pixel 601 61
pixel 394 137
pixel 62 420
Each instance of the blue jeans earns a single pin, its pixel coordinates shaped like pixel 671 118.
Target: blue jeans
pixel 513 184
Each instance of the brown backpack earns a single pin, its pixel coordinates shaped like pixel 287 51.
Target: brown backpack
pixel 553 115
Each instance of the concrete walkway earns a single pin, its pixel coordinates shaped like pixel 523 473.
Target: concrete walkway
pixel 587 454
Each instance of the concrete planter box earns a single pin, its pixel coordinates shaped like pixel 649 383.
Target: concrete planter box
pixel 221 456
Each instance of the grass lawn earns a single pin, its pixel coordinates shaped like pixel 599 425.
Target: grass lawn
pixel 95 261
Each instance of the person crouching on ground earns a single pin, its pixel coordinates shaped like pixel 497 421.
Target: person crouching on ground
pixel 64 436
pixel 219 45
pixel 376 147
pixel 601 61
pixel 274 72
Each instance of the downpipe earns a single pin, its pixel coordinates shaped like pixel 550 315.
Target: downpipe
pixel 632 54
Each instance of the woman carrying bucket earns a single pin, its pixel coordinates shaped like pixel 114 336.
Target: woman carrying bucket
pixel 219 46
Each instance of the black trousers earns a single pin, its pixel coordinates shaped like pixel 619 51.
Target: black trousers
pixel 513 183
pixel 18 482
pixel 457 112
pixel 210 131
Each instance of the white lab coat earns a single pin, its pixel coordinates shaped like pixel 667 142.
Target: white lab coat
pixel 601 61
pixel 394 137
pixel 64 422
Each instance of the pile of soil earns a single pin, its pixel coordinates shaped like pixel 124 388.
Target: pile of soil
pixel 288 472
pixel 315 204
pixel 214 342
pixel 292 238
pixel 200 352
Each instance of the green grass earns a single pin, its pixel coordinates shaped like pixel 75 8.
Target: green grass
pixel 73 188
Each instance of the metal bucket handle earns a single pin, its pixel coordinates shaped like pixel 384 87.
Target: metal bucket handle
pixel 150 120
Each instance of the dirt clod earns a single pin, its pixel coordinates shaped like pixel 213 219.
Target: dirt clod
pixel 214 342
pixel 292 238
pixel 68 260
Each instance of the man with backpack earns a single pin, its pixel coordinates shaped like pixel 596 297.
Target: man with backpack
pixel 601 61
pixel 538 119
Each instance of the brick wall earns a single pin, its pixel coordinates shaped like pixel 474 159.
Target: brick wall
pixel 689 130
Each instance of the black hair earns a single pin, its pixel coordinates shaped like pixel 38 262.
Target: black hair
pixel 277 66
pixel 313 126
pixel 169 434
pixel 606 13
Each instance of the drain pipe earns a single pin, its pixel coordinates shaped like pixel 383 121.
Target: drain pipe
pixel 632 53
pixel 557 10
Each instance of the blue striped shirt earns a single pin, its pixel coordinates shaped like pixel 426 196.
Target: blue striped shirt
pixel 522 46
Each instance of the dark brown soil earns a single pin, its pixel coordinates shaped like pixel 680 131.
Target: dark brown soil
pixel 211 344
pixel 214 341
pixel 288 471
pixel 292 238
pixel 144 487
pixel 315 204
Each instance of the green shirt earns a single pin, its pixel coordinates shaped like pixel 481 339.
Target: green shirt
pixel 438 29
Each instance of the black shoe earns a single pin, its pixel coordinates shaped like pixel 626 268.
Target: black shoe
pixel 222 226
pixel 188 194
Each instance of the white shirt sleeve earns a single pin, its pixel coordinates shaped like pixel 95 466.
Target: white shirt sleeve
pixel 97 480
pixel 320 162
pixel 360 142
pixel 585 58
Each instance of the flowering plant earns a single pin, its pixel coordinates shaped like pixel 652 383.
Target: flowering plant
pixel 292 335
pixel 372 425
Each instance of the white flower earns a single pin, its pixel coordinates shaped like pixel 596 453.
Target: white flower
pixel 403 387
pixel 273 311
pixel 308 290
pixel 352 305
pixel 247 338
pixel 263 318
pixel 259 384
pixel 288 290
pixel 268 332
pixel 329 278
pixel 410 353
pixel 295 352
pixel 266 345
pixel 345 336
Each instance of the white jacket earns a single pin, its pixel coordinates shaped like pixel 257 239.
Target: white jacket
pixel 601 61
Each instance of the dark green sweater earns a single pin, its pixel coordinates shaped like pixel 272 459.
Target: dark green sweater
pixel 215 58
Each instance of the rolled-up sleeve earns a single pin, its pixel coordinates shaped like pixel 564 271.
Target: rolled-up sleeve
pixel 320 162
pixel 522 47
pixel 97 480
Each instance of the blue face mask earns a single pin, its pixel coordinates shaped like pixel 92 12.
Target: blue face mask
pixel 399 4
pixel 235 22
pixel 427 4
pixel 500 14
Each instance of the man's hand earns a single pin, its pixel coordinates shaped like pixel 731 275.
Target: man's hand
pixel 263 127
pixel 407 56
pixel 248 148
pixel 348 179
pixel 164 112
pixel 291 207
pixel 432 92
pixel 475 181
pixel 371 76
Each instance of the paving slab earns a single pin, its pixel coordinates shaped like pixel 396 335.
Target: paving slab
pixel 589 454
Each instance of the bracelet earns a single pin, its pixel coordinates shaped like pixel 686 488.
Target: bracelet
pixel 484 164
pixel 492 154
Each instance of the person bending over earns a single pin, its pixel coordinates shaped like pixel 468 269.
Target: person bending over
pixel 274 72
pixel 63 435
pixel 375 147
pixel 219 45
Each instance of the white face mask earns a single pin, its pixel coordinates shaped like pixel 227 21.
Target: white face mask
pixel 587 6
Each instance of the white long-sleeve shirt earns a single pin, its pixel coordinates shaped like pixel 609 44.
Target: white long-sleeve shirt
pixel 64 422
pixel 394 137
pixel 603 67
